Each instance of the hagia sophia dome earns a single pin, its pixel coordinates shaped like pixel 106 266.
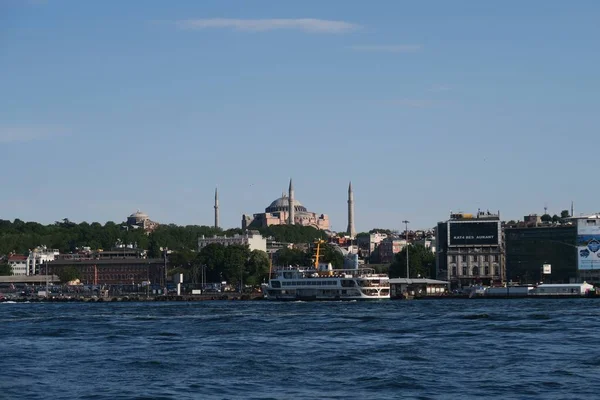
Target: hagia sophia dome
pixel 278 213
pixel 140 219
pixel 282 204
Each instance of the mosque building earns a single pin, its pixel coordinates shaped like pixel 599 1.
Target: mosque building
pixel 140 220
pixel 286 210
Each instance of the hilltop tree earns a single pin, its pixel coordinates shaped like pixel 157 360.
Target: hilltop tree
pixel 379 230
pixel 257 267
pixel 213 257
pixel 421 262
pixel 286 257
pixel 68 274
pixel 332 255
pixel 236 257
pixel 5 269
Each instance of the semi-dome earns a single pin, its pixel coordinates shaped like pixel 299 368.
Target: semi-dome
pixel 282 204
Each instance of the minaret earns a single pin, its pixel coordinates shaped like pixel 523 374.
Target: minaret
pixel 351 230
pixel 216 208
pixel 291 204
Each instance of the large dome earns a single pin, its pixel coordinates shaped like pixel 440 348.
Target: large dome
pixel 138 216
pixel 282 204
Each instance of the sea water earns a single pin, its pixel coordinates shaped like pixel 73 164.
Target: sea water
pixel 425 349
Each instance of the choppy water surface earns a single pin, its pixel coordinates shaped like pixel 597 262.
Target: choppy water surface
pixel 393 349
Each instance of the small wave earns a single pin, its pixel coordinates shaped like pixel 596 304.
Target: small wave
pixel 476 316
pixel 540 316
pixel 168 334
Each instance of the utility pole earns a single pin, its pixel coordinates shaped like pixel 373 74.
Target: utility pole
pixel 166 267
pixel 406 231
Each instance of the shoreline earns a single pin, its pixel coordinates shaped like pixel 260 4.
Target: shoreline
pixel 251 297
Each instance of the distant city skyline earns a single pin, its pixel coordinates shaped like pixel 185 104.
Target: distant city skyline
pixel 426 107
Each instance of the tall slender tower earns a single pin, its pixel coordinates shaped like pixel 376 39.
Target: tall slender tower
pixel 291 204
pixel 216 207
pixel 351 230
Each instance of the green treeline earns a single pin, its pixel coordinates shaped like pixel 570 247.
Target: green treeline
pixel 231 263
pixel 66 236
pixel 421 263
pixel 219 263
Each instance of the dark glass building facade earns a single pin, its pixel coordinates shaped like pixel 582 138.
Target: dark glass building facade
pixel 529 248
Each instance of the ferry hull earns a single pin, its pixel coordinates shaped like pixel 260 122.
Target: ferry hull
pixel 290 297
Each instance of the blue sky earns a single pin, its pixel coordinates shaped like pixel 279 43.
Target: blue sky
pixel 429 106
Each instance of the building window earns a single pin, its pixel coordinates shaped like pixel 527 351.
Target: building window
pixel 494 258
pixel 464 258
pixel 464 270
pixel 453 259
pixel 453 271
pixel 474 258
pixel 486 258
pixel 475 271
pixel 487 270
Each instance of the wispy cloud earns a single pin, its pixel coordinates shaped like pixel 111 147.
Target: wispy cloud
pixel 310 25
pixel 13 134
pixel 387 48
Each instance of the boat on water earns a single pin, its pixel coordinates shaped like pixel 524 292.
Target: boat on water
pixel 322 282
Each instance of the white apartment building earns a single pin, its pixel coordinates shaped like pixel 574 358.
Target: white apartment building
pixel 38 256
pixel 18 264
pixel 253 239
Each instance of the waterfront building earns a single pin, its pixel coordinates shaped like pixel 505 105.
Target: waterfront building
pixel 121 266
pixel 18 264
pixel 252 239
pixel 388 248
pixel 532 220
pixel 286 210
pixel 39 256
pixel 587 248
pixel 368 244
pixel 427 242
pixel 530 246
pixel 274 246
pixel 470 249
pixel 417 287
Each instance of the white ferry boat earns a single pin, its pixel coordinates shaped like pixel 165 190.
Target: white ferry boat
pixel 322 282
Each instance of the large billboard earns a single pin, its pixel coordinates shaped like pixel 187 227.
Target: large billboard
pixel 473 233
pixel 588 243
